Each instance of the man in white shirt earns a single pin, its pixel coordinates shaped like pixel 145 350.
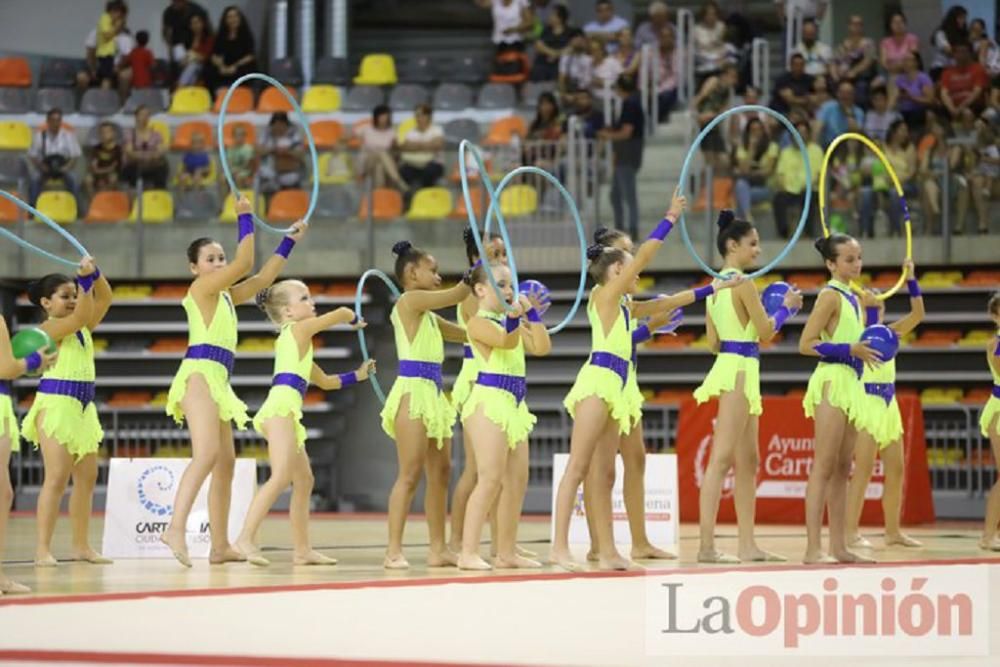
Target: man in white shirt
pixel 606 25
pixel 576 68
pixel 53 154
pixel 819 56
pixel 421 161
pixel 649 31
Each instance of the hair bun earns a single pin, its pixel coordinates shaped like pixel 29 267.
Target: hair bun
pixel 468 237
pixel 34 295
pixel 821 245
pixel 594 251
pixel 261 298
pixel 401 247
pixel 599 234
pixel 726 217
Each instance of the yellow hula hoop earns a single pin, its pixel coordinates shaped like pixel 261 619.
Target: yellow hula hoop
pixel 873 147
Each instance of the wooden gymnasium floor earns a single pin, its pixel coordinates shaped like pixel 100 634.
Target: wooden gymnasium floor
pixel 155 612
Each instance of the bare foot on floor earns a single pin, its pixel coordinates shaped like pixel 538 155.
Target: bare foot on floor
pixel 395 562
pixel 990 545
pixel 8 587
pixel 88 555
pixel 178 546
pixel 649 552
pixel 717 557
pixel 227 555
pixel 527 553
pixel 614 562
pixel 517 562
pixel 818 558
pixel 446 558
pixel 313 557
pixel 473 562
pixel 592 556
pixel 846 556
pixel 251 553
pixel 565 561
pixel 757 555
pixel 45 560
pixel 902 540
pixel 859 542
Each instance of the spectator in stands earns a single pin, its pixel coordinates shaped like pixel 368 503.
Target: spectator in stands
pixel 790 180
pixel 513 21
pixel 242 158
pixel 715 96
pixel 176 30
pixel 421 159
pixel 196 165
pixel 914 91
pixel 934 154
pixel 576 68
pixel 281 155
pixel 846 179
pixel 628 55
pixel 902 157
pixel 140 61
pixel 105 161
pixel 881 116
pixel 898 44
pixel 985 50
pixel 820 94
pixel 541 11
pixel 952 30
pixel 548 123
pixel 111 23
pixel 986 177
pixel 710 49
pixel 606 25
pixel 628 137
pixel 965 84
pixel 753 165
pixel 233 51
pixel 53 154
pixel 669 63
pixel 813 10
pixel 843 115
pixel 651 31
pixel 552 45
pixel 792 88
pixel 145 154
pixel 197 51
pixel 856 58
pixel 592 119
pixel 818 56
pixel 378 141
pixel 607 69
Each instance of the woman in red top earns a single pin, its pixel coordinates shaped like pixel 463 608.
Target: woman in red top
pixel 199 50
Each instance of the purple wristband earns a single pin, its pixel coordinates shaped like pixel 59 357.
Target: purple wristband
pixel 871 315
pixel 833 349
pixel 704 292
pixel 533 316
pixel 86 283
pixel 914 288
pixel 33 362
pixel 512 323
pixel 780 316
pixel 347 379
pixel 245 225
pixel 356 319
pixel 641 334
pixel 662 229
pixel 285 247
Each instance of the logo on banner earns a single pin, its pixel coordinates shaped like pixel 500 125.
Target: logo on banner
pixel 154 489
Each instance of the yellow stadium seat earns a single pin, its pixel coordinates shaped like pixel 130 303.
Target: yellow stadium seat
pixel 15 136
pixel 941 278
pixel 377 69
pixel 191 99
pixel 430 204
pixel 157 206
pixel 58 205
pixel 161 129
pixel 335 168
pixel 404 128
pixel 229 206
pixel 518 200
pixel 213 171
pixel 321 99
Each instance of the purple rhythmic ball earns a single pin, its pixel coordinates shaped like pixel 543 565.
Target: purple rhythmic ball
pixel 536 292
pixel 883 340
pixel 773 297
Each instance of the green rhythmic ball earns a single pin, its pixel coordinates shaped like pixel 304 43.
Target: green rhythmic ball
pixel 27 341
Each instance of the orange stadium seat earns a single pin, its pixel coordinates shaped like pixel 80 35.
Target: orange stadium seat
pixel 230 128
pixel 185 133
pixel 109 206
pixel 502 131
pixel 326 133
pixel 240 102
pixel 272 100
pixel 288 205
pixel 15 73
pixel 388 205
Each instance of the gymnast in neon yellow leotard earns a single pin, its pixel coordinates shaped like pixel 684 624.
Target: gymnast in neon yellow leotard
pixel 880 427
pixel 201 394
pixel 736 324
pixel 496 411
pixel 835 396
pixel 989 425
pixel 10 436
pixel 63 419
pixel 289 305
pixel 417 413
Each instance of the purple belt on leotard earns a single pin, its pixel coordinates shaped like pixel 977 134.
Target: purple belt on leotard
pixel 219 355
pixel 5 389
pixel 512 384
pixel 996 391
pixel 80 390
pixel 884 390
pixel 296 382
pixel 467 351
pixel 612 362
pixel 856 364
pixel 747 349
pixel 425 370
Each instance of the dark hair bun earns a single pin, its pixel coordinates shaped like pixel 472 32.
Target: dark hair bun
pixel 34 290
pixel 261 298
pixel 401 247
pixel 468 237
pixel 726 217
pixel 594 251
pixel 821 244
pixel 600 234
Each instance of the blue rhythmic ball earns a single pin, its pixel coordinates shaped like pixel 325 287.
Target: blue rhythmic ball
pixel 883 340
pixel 773 297
pixel 675 321
pixel 536 291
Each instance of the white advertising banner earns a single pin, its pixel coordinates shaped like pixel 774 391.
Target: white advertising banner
pixel 662 508
pixel 140 503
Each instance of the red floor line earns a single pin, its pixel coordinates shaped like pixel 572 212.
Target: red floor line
pixel 105 658
pixel 471 579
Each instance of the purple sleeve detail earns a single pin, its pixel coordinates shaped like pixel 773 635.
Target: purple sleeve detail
pixel 347 379
pixel 512 323
pixel 662 229
pixel 355 320
pixel 86 283
pixel 914 288
pixel 703 293
pixel 871 315
pixel 833 349
pixel 33 362
pixel 641 334
pixel 285 247
pixel 245 225
pixel 780 316
pixel 533 316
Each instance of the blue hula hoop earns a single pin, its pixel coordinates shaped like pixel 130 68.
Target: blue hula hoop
pixel 805 209
pixel 358 295
pixel 42 252
pixel 303 120
pixel 494 211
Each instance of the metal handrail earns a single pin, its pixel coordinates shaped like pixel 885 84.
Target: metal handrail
pixel 793 28
pixel 761 66
pixel 685 42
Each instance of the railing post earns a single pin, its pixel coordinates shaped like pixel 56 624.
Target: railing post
pixel 370 194
pixel 279 29
pixel 685 42
pixel 572 161
pixel 946 208
pixel 307 38
pixel 709 213
pixel 140 257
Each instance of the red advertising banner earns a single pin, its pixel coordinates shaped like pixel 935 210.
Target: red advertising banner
pixel 786 454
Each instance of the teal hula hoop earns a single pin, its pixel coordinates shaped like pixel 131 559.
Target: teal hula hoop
pixel 358 295
pixel 494 211
pixel 303 120
pixel 808 198
pixel 42 252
